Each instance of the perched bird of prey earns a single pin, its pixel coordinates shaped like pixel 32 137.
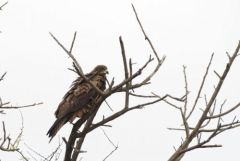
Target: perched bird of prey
pixel 80 100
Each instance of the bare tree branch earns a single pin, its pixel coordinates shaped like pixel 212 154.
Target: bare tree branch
pixel 79 69
pixel 160 61
pixel 110 141
pixel 186 93
pixel 36 153
pixel 1 78
pixel 211 104
pixel 125 71
pixel 1 7
pixel 145 35
pixel 17 107
pixel 224 113
pixel 201 87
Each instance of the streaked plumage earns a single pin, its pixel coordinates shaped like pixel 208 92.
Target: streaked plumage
pixel 80 100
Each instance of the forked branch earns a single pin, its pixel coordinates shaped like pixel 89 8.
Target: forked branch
pixel 208 115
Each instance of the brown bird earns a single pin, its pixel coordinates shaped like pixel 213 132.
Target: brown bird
pixel 80 100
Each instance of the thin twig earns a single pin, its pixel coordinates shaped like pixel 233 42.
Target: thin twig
pixel 166 101
pixel 145 35
pixel 160 61
pixel 3 5
pixel 111 142
pixel 76 62
pixel 50 157
pixel 74 38
pixel 130 71
pixel 23 156
pixel 108 105
pixel 201 87
pixel 143 96
pixel 35 152
pixel 17 107
pixel 186 93
pixel 224 113
pixel 4 74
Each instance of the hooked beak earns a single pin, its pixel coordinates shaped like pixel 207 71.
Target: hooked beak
pixel 105 72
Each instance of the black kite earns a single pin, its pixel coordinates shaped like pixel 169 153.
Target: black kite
pixel 80 100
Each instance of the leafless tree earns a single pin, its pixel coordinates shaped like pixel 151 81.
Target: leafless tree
pixel 198 134
pixel 195 132
pixel 76 138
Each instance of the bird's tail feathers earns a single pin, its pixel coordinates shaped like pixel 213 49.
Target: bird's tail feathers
pixel 56 127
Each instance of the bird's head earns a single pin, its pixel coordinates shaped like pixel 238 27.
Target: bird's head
pixel 101 69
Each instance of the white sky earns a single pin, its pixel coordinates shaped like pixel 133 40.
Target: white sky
pixel 186 31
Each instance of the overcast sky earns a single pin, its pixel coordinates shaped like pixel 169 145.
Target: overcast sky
pixel 186 31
